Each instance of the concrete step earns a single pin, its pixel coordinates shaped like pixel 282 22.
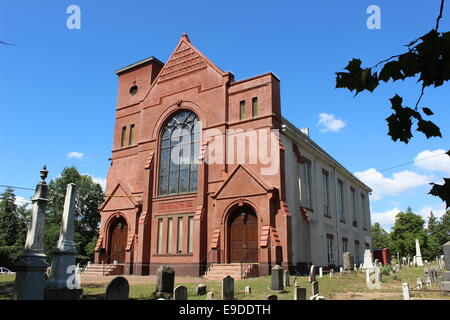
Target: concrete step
pixel 107 269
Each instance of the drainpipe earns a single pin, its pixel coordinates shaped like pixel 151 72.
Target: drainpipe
pixel 337 217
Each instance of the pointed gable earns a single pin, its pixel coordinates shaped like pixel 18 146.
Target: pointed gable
pixel 243 181
pixel 120 198
pixel 185 59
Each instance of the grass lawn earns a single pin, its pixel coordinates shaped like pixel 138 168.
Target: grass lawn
pixel 346 287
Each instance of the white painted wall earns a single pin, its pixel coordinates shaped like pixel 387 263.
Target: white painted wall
pixel 309 239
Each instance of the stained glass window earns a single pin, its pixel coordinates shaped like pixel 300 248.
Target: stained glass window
pixel 179 152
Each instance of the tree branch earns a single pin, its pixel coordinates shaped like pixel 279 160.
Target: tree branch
pixel 440 15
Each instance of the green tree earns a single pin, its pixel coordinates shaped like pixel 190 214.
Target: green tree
pixel 380 237
pixel 428 59
pixel 8 219
pixel 89 196
pixel 433 230
pixel 13 228
pixel 407 228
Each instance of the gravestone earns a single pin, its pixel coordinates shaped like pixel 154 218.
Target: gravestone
pixel 341 269
pixel 320 272
pixel 368 264
pixel 248 290
pixel 31 264
pixel 165 282
pixel 312 274
pixel 299 293
pixel 272 297
pixel 419 283
pixel 286 278
pixel 117 289
pixel 445 284
pixel 347 257
pixel 405 288
pixel 418 256
pixel 227 288
pixel 200 290
pixel 59 285
pixel 210 296
pixel 331 273
pixel 315 288
pixel 277 279
pixel 180 293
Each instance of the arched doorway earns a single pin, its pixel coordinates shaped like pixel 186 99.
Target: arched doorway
pixel 118 240
pixel 243 235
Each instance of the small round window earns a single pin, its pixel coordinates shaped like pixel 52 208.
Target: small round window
pixel 133 90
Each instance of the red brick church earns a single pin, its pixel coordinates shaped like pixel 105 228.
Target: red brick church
pixel 193 214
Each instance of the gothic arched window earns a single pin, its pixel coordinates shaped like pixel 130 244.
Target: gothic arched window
pixel 180 140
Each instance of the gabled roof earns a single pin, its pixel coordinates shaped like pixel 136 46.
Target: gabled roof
pixel 126 193
pixel 183 60
pixel 250 173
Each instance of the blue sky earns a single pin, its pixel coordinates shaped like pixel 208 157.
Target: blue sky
pixel 58 88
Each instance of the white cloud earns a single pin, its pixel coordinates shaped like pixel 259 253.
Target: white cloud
pixel 20 201
pixel 400 182
pixel 100 181
pixel 386 219
pixel 433 161
pixel 438 210
pixel 74 154
pixel 330 123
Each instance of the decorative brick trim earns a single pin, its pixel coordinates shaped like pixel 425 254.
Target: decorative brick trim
pixel 263 242
pixel 99 243
pixel 130 242
pixel 215 239
pixel 297 153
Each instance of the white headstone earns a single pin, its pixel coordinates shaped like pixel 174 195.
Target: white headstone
pixel 368 264
pixel 405 288
pixel 418 254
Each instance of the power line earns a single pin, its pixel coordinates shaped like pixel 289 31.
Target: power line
pixel 406 163
pixel 13 187
pixel 382 170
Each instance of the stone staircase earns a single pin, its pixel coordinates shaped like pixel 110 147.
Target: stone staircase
pixel 96 269
pixel 218 271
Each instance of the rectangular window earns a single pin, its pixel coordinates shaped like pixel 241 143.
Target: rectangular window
pixel 357 252
pixel 242 109
pixel 160 234
pixel 131 139
pixel 340 198
pixel 326 193
pixel 344 245
pixel 308 183
pixel 190 233
pixel 169 235
pixel 354 207
pixel 122 139
pixel 255 107
pixel 180 235
pixel 363 209
pixel 330 249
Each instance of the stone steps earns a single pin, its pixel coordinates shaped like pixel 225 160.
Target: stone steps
pixel 100 269
pixel 220 271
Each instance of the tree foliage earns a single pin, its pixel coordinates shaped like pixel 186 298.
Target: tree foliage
pixel 380 237
pixel 89 196
pixel 13 228
pixel 407 228
pixel 428 58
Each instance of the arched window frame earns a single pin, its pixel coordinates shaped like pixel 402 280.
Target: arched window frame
pixel 179 174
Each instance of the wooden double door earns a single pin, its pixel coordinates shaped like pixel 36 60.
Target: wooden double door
pixel 243 236
pixel 118 241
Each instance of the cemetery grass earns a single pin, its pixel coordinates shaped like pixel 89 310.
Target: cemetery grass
pixel 345 287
